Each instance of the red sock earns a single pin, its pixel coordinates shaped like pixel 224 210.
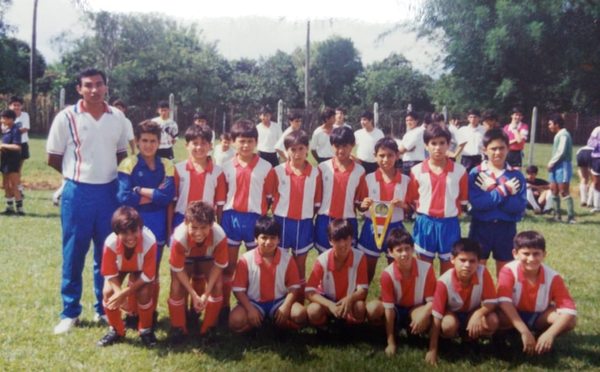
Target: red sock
pixel 300 297
pixel 199 285
pixel 177 313
pixel 145 312
pixel 115 320
pixel 211 313
pixel 155 292
pixel 132 305
pixel 226 291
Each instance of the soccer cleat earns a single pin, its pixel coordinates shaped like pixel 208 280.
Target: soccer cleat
pixel 110 338
pixel 176 336
pixel 20 212
pixel 571 221
pixel 148 338
pixel 131 321
pixel 100 319
pixel 9 212
pixel 65 325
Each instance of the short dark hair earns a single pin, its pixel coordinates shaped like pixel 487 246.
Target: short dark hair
pixel 386 143
pixel 118 102
pixel 412 114
pixel 225 136
pixel 529 239
pixel 126 219
pixel 436 117
pixel 398 236
pixel 267 225
pixel 466 245
pixel 489 115
pixel 294 116
pixel 8 113
pixel 200 116
pixel 294 138
pixel 147 126
pixel 494 134
pixel 339 229
pixel 516 110
pixel 557 119
pixel 243 128
pixel 265 110
pixel 14 99
pixel 532 169
pixel 435 131
pixel 200 212
pixel 474 112
pixel 195 131
pixel 367 115
pixel 90 71
pixel 326 114
pixel 163 104
pixel 341 136
pixel 341 109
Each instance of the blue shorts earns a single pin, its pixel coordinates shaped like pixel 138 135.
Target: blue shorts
pixel 402 317
pixel 529 318
pixel 494 237
pixel 366 242
pixel 268 308
pixel 296 234
pixel 178 218
pixel 561 172
pixel 321 239
pixel 463 319
pixel 156 221
pixel 435 235
pixel 239 227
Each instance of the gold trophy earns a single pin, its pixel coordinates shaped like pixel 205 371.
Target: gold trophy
pixel 381 215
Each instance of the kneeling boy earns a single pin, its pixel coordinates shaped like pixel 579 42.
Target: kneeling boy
pixel 407 287
pixel 129 250
pixel 464 299
pixel 533 297
pixel 266 283
pixel 198 247
pixel 338 283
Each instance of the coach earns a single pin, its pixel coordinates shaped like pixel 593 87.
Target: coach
pixel 85 144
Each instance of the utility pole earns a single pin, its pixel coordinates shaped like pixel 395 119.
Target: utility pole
pixel 307 73
pixel 32 66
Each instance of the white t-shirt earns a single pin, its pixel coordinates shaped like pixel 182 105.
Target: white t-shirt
pixel 169 132
pixel 221 157
pixel 88 146
pixel 454 137
pixel 473 137
pixel 268 136
pixel 414 144
pixel 320 143
pixel 23 122
pixel 130 133
pixel 365 143
pixel 279 145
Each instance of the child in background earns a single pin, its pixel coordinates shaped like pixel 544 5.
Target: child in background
pixel 412 146
pixel 223 152
pixel 538 191
pixel 533 297
pixel 320 145
pixel 464 299
pixel 517 133
pixel 338 283
pixel 560 169
pixel 366 137
pixel 469 140
pixel 129 251
pixel 407 287
pixel 169 130
pixel 295 121
pixel 266 284
pixel 269 133
pixel 10 163
pixel 201 120
pixel 22 122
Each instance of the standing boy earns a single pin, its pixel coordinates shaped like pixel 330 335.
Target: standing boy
pixel 464 299
pixel 224 151
pixel 201 120
pixel 412 146
pixel 340 118
pixel 344 187
pixel 130 133
pixel 533 297
pixel 86 142
pixel 439 189
pixel 338 284
pixel 297 194
pixel 266 284
pixel 22 122
pixel 517 133
pixel 407 287
pixel 320 144
pixel 169 130
pixel 10 163
pixel 560 169
pixel 295 121
pixel 129 251
pixel 497 193
pixel 366 137
pixel 470 141
pixel 269 133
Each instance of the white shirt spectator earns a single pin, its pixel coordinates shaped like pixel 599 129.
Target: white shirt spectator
pixel 23 122
pixel 365 143
pixel 268 136
pixel 473 137
pixel 414 144
pixel 320 143
pixel 169 132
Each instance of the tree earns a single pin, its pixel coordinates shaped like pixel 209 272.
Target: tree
pixel 278 79
pixel 14 66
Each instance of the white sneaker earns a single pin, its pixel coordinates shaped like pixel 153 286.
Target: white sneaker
pixel 65 325
pixel 101 319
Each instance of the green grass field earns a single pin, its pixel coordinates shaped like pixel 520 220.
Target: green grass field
pixel 30 258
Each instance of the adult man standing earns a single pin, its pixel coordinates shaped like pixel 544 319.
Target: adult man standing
pixel 85 144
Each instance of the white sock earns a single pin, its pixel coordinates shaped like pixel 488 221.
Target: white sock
pixel 531 199
pixel 596 199
pixel 583 192
pixel 590 199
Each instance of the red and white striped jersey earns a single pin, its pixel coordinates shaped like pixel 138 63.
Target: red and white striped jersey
pixel 190 185
pixel 438 195
pixel 410 291
pixel 379 190
pixel 248 187
pixel 183 246
pixel 341 189
pixel 451 296
pixel 337 284
pixel 263 281
pixel 296 196
pixel 550 288
pixel 143 259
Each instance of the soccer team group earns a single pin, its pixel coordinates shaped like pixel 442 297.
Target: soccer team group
pixel 258 188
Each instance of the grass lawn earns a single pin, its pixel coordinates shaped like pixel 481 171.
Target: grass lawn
pixel 30 258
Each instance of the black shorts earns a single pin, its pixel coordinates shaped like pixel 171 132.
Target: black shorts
pixel 595 166
pixel 25 150
pixel 10 162
pixel 166 153
pixel 470 161
pixel 271 157
pixel 515 158
pixel 584 158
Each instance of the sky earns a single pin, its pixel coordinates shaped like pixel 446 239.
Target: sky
pixel 250 29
